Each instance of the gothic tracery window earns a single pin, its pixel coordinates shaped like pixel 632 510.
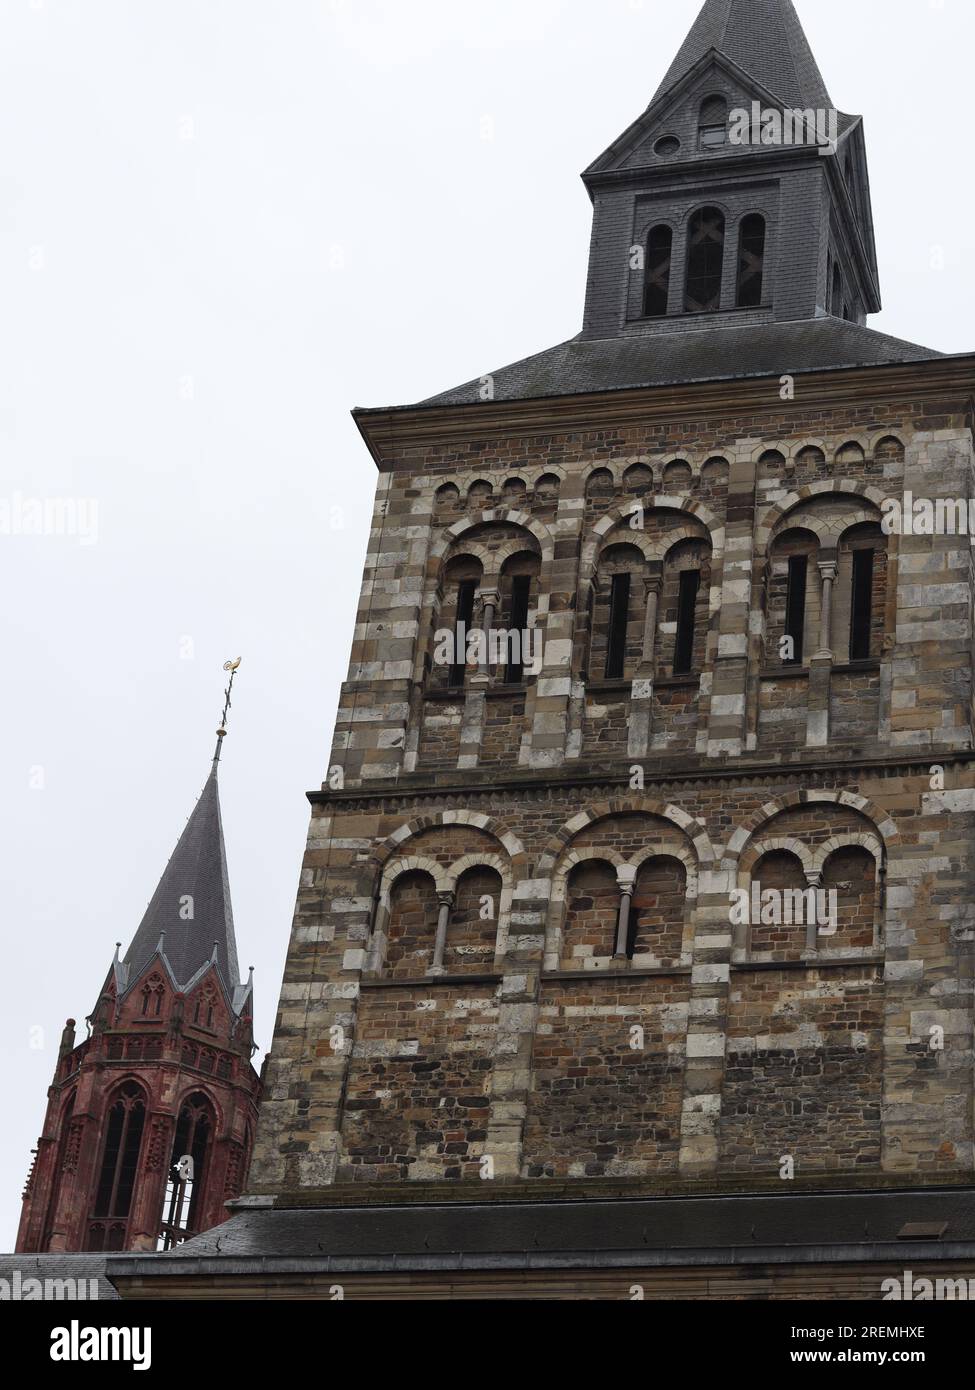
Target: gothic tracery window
pixel 187 1171
pixel 120 1157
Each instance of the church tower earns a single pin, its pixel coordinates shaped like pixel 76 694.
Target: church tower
pixel 151 1116
pixel 633 942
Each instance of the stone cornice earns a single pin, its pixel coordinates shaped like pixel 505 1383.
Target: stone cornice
pixel 470 789
pixel 387 431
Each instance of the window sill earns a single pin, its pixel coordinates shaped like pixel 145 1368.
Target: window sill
pixel 428 981
pixel 453 693
pixel 810 963
pixel 625 687
pixel 618 973
pixel 853 667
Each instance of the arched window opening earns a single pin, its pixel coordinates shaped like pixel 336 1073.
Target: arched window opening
pixel 795 608
pixel 203 1013
pixel 689 585
pixel 600 490
pixel 517 580
pixel 751 261
pixel 638 479
pixel 120 1159
pixel 657 274
pixel 619 608
pixel 479 495
pixel 683 609
pixel 617 634
pixel 472 934
pixel 187 1172
pixel 705 261
pixel 152 997
pixel 446 499
pixel 792 587
pixel 656 925
pixel 850 873
pixel 591 914
pixel 713 123
pixel 862 587
pixel 455 617
pixel 779 906
pixel 548 487
pixel 514 493
pixel 412 926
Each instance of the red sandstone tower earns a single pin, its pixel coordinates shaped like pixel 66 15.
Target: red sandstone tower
pixel 150 1118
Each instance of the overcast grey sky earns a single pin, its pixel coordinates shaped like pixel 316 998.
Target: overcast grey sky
pixel 223 223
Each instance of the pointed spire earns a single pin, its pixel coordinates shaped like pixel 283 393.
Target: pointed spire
pixel 189 921
pixel 764 38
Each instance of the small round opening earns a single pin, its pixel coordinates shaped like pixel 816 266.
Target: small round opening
pixel 666 146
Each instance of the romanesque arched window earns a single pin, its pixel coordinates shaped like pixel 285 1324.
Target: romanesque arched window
pixel 656 924
pixel 455 616
pixel 851 873
pixel 412 925
pixel 519 583
pixel 751 261
pixel 792 599
pixel 656 281
pixel 683 612
pixel 778 906
pixel 187 1171
pixel 591 913
pixel 861 593
pixel 617 633
pixel 705 261
pixel 120 1155
pixel 472 932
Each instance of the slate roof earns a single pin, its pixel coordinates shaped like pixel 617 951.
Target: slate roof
pixel 60 1267
pixel 678 1230
pixel 713 354
pixel 198 869
pixel 766 39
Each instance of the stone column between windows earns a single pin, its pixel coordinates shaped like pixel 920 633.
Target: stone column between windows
pixel 814 879
pixel 489 600
pixel 707 1024
pixel 445 902
pixel 821 664
pixel 626 878
pixel 641 706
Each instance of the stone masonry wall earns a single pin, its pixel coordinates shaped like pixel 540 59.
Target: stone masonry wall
pixel 525 1044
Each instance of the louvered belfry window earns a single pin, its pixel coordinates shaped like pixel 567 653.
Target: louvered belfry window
pixel 751 261
pixel 705 261
pixel 657 282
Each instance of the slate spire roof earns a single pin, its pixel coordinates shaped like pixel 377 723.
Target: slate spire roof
pixel 766 39
pixel 189 920
pixel 820 279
